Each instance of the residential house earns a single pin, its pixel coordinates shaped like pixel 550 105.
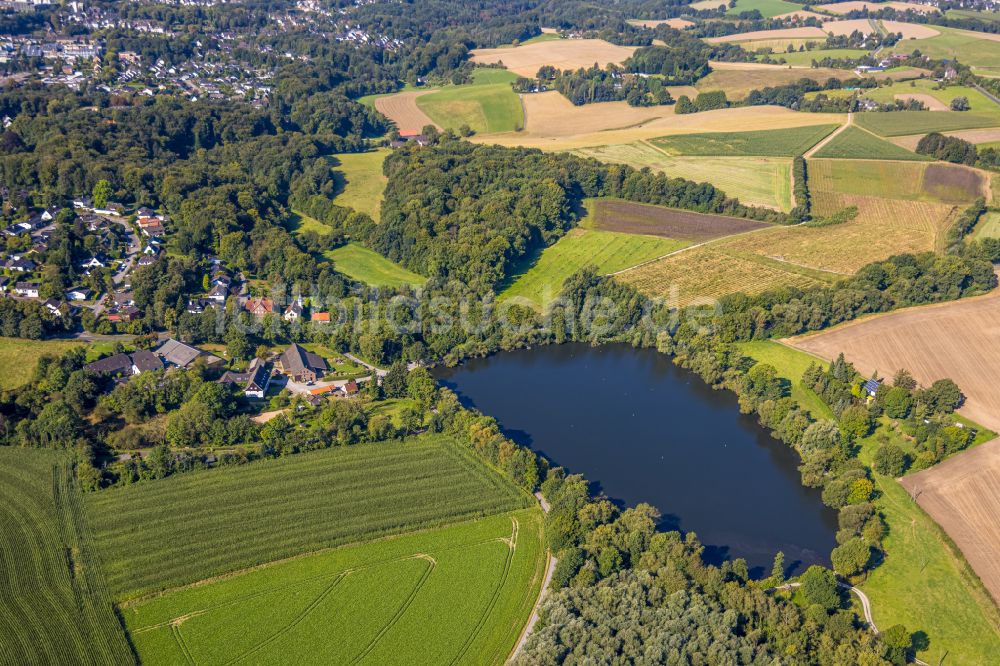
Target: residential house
pixel 254 380
pixel 27 289
pixel 294 311
pixel 79 294
pixel 97 261
pixel 20 265
pixel 50 213
pixel 53 306
pixel 302 366
pixel 147 260
pixel 260 307
pixel 135 363
pixel 124 314
pixel 83 203
pixel 219 294
pixel 111 208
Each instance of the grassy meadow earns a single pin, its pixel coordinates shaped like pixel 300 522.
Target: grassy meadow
pixel 968 47
pixel 903 123
pixel 763 181
pixel 539 281
pixel 791 364
pixel 488 105
pixel 18 358
pixel 364 265
pixel 988 226
pixel 458 594
pixel 54 607
pixel 856 143
pixel 767 8
pixel 274 509
pixel 360 181
pixel 806 58
pixel 764 143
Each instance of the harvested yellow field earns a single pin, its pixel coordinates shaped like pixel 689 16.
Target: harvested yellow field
pixel 883 227
pixel 553 123
pixel 908 30
pixel 962 495
pixel 559 53
pixel 857 6
pixel 972 136
pixel 738 83
pixel 780 46
pixel 759 181
pixel 702 5
pixel 932 103
pixel 675 23
pixel 783 33
pixel 959 340
pixel 402 109
pixel 702 274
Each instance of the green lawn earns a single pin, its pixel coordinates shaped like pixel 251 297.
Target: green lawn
pixel 539 282
pixel 766 143
pixel 340 366
pixel 767 8
pixel 925 584
pixel 213 522
pixel 18 358
pixel 790 364
pixel 488 105
pixel 856 143
pixel 360 181
pixel 370 267
pixel 456 594
pixel 54 607
pixel 300 223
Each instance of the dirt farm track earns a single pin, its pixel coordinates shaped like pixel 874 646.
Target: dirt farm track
pixel 959 340
pixel 962 495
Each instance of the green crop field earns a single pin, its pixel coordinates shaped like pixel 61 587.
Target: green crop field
pixel 765 143
pixel 607 251
pixel 18 358
pixel 364 265
pixel 54 608
pixel 967 47
pixel 924 582
pixel 360 181
pixel 767 8
pixel 805 58
pixel 458 594
pixel 488 105
pixel 913 181
pixel 764 181
pixel 163 534
pixel 856 143
pixel 902 123
pixel 978 102
pixel 988 226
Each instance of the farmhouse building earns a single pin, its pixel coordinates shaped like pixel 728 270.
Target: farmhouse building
pixel 260 307
pixel 126 364
pixel 180 355
pixel 254 381
pixel 301 365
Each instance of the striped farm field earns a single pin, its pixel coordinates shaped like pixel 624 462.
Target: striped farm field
pixel 54 608
pixel 217 521
pixel 856 143
pixel 703 274
pixel 913 181
pixel 764 143
pixel 902 123
pixel 763 181
pixel 539 283
pixel 883 228
pixel 457 594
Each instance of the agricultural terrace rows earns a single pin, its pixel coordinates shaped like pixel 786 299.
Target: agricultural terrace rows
pixel 856 143
pixel 761 181
pixel 765 143
pixel 459 594
pixel 402 109
pixel 53 604
pixel 540 282
pixel 275 509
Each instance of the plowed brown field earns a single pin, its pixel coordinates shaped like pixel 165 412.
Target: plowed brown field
pixel 402 109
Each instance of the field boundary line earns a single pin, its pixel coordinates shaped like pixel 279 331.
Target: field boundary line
pixel 399 613
pixel 175 631
pixel 827 139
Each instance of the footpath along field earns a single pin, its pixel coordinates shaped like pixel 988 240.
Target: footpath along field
pixel 54 607
pixel 458 594
pixel 274 509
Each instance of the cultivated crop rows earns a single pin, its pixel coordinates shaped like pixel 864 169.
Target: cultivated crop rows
pixel 53 608
pixel 164 534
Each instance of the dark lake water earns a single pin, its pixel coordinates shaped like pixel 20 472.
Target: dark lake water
pixel 643 430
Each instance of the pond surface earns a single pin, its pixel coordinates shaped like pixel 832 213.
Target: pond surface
pixel 643 430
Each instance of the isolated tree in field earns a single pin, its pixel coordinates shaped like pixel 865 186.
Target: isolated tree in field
pixel 852 557
pixel 890 460
pixel 897 403
pixel 101 193
pixel 819 586
pixel 960 104
pixel 899 643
